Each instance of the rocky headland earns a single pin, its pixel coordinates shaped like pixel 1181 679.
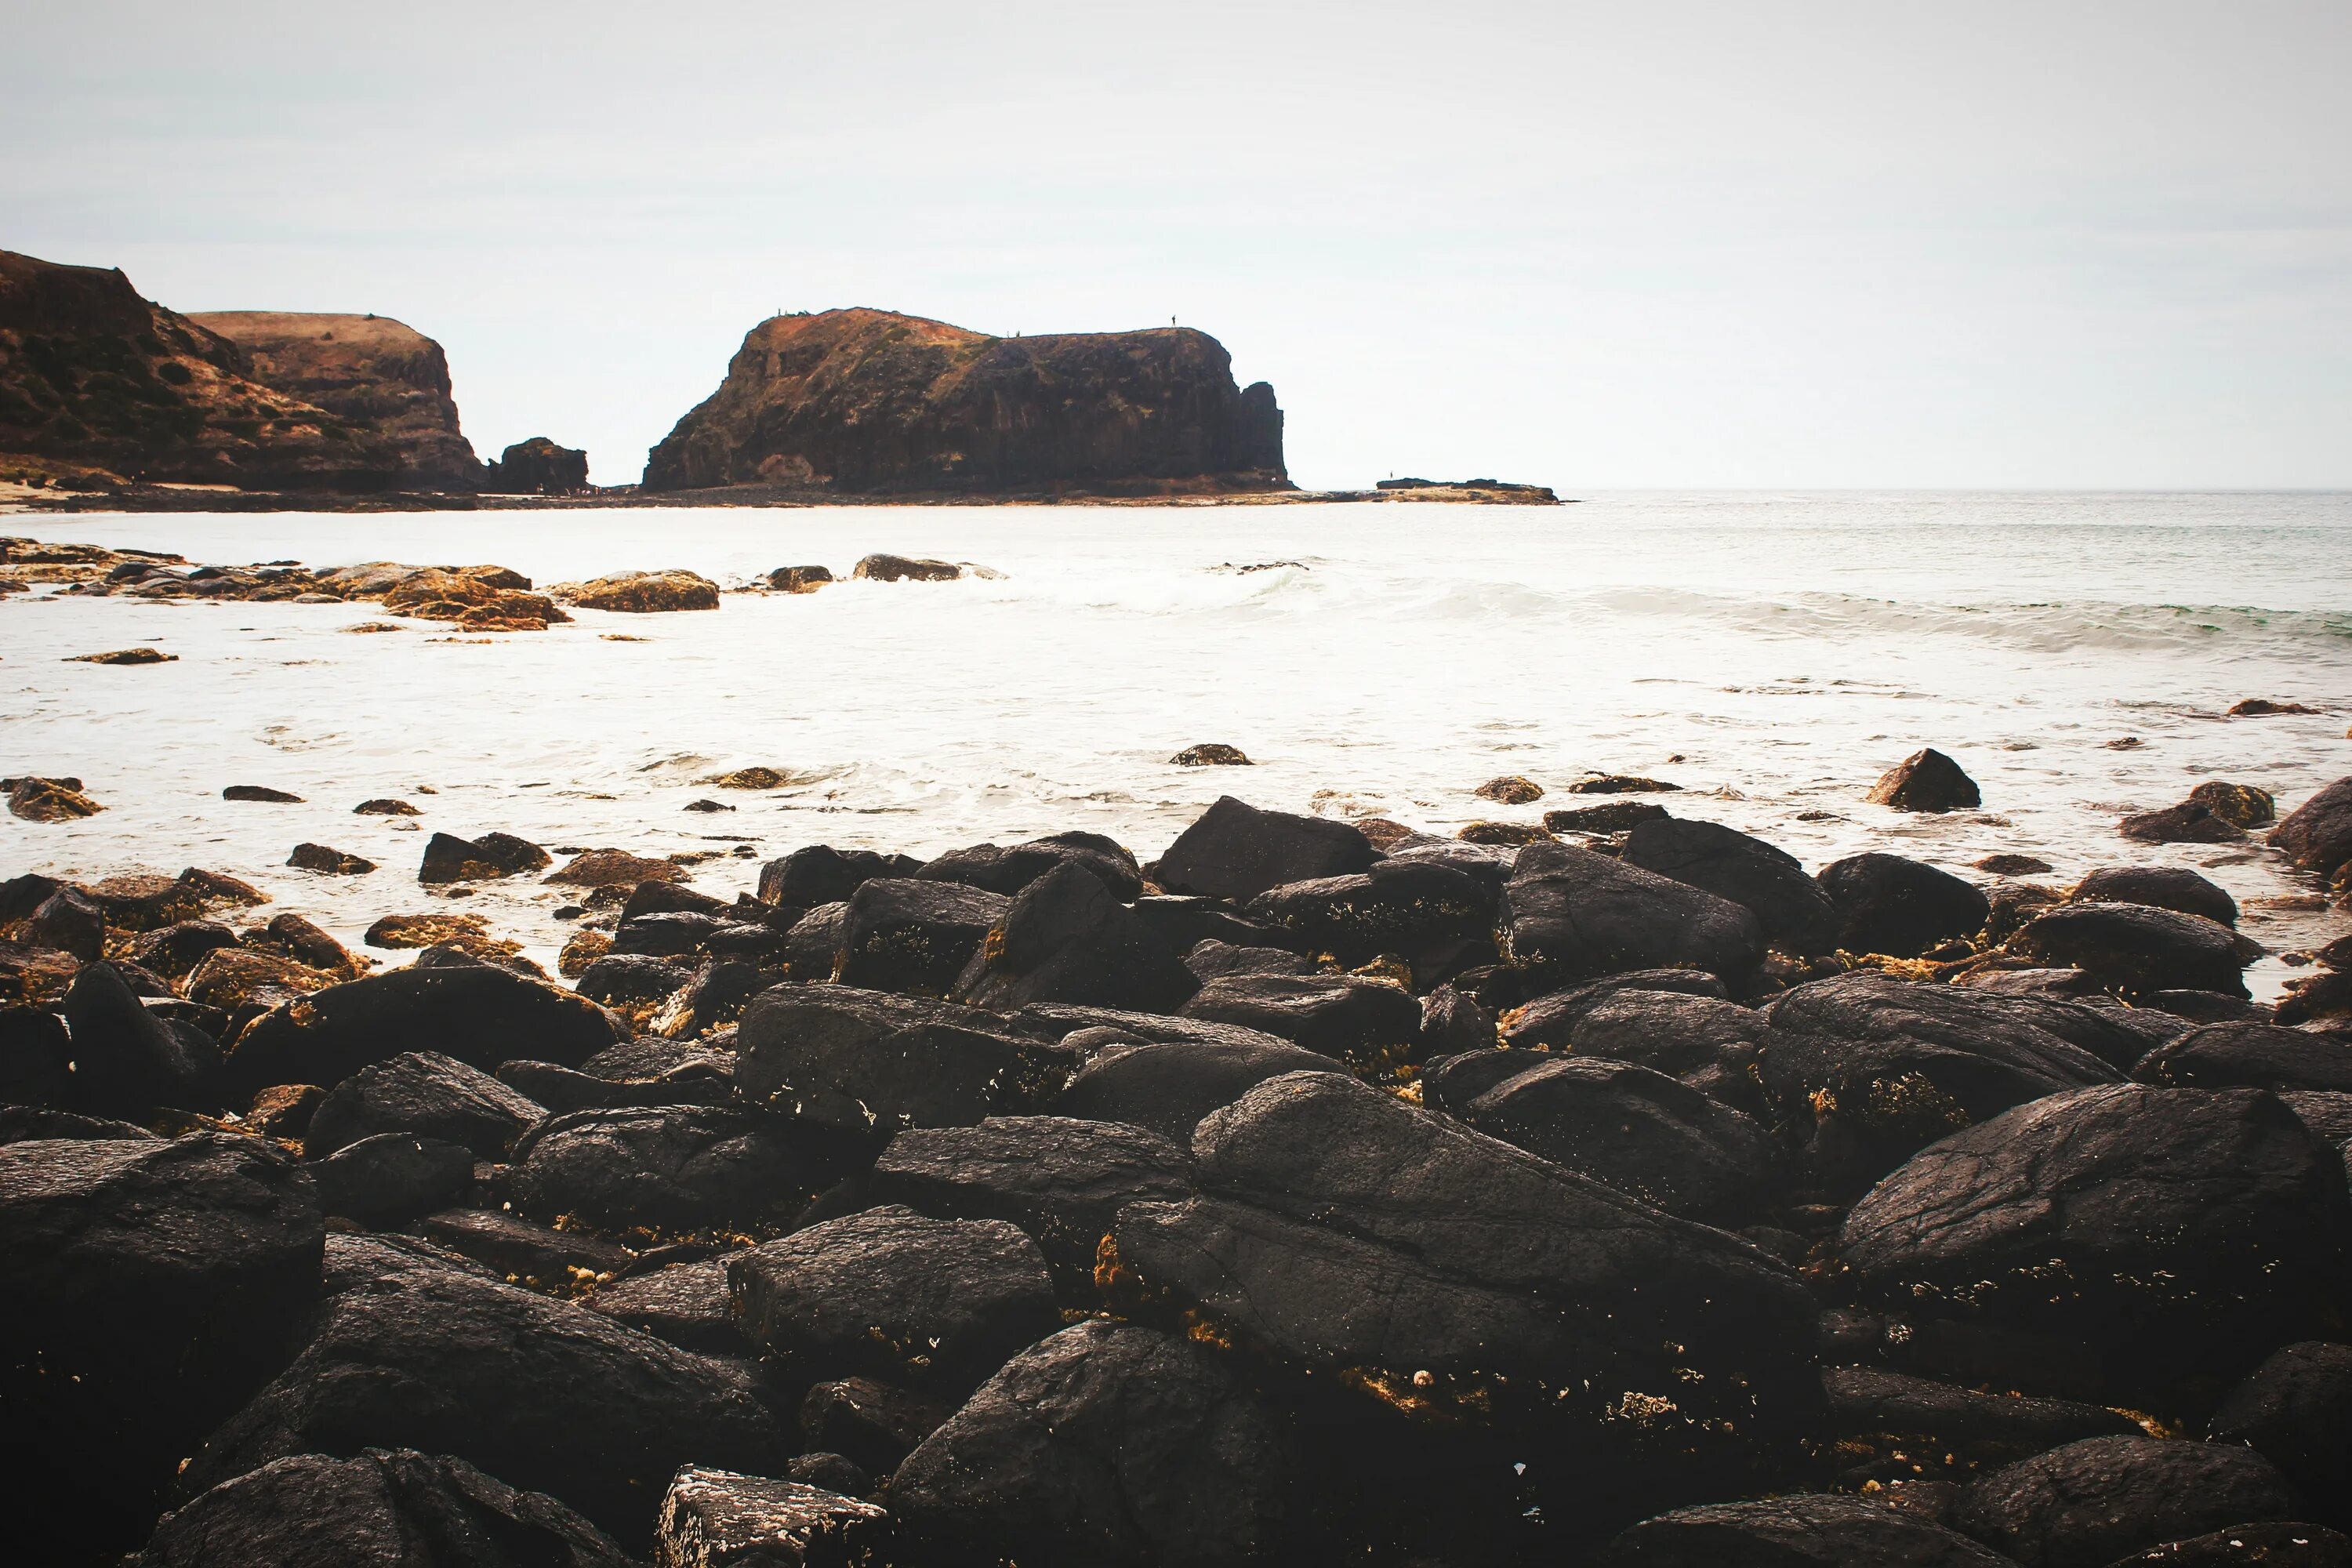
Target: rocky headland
pixel 371 371
pixel 1604 1189
pixel 866 402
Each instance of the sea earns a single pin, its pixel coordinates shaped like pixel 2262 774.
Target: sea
pixel 1770 654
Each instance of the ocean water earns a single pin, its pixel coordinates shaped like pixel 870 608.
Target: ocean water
pixel 1770 653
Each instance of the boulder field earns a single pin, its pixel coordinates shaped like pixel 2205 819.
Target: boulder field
pixel 1636 1197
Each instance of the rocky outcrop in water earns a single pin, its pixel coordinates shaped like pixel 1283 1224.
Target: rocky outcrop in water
pixel 861 400
pixel 539 467
pixel 92 374
pixel 373 371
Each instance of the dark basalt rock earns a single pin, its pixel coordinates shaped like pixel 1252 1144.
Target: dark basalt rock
pixel 1640 1132
pixel 923 1303
pixel 2295 1410
pixel 1769 883
pixel 380 1508
pixel 2173 1237
pixel 812 945
pixel 1864 1069
pixel 2164 886
pixel 1008 871
pixel 449 858
pixel 426 1093
pixel 1709 1044
pixel 1235 851
pixel 2250 1056
pixel 714 997
pixel 519 1251
pixel 2243 805
pixel 1108 1444
pixel 31 1123
pixel 866 1061
pixel 1550 1019
pixel 66 921
pixel 2089 1503
pixel 1168 1086
pixel 1453 1021
pixel 2318 835
pixel 1614 818
pixel 1794 1532
pixel 1872 1402
pixel 1900 908
pixel 37 1058
pixel 1453 1084
pixel 1332 1014
pixel 1214 960
pixel 667 1168
pixel 1184 923
pixel 418 1353
pixel 905 935
pixel 670 934
pixel 1061 1181
pixel 2290 1545
pixel 1347 1229
pixel 1066 938
pixel 2137 947
pixel 392 1177
pixel 477 1013
pixel 621 979
pixel 1415 908
pixel 2325 997
pixel 685 1303
pixel 871 401
pixel 820 874
pixel 149 1285
pixel 2329 1115
pixel 1925 781
pixel 714 1518
pixel 2191 822
pixel 871 1422
pixel 126 1059
pixel 1569 913
pixel 708 1080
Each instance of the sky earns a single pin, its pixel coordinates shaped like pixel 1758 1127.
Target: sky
pixel 1596 245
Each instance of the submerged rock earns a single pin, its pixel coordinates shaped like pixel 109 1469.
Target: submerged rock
pixel 1210 754
pixel 1925 781
pixel 2318 835
pixel 640 593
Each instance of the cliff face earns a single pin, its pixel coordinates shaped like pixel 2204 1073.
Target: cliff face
pixel 93 374
pixel 373 371
pixel 871 401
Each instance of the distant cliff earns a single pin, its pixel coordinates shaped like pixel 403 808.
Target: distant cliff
pixel 378 374
pixel 864 401
pixel 91 374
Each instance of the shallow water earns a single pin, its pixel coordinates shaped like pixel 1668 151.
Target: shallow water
pixel 1772 654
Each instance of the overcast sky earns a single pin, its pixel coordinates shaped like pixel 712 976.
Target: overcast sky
pixel 1591 245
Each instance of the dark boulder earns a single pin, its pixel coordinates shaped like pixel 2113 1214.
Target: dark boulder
pixel 391 1177
pixel 126 1059
pixel 1453 1084
pixel 426 1093
pixel 449 858
pixel 1794 1532
pixel 713 998
pixel 1870 1402
pixel 2245 805
pixel 480 1014
pixel 717 1519
pixel 1453 1020
pixel 2191 822
pixel 1569 913
pixel 66 921
pixel 1925 781
pixel 905 935
pixel 2270 1545
pixel 1168 1086
pixel 1769 883
pixel 1640 1132
pixel 1617 816
pixel 812 946
pixel 1549 1020
pixel 873 1423
pixel 1066 938
pixel 520 1251
pixel 2250 1056
pixel 2174 1237
pixel 151 1287
pixel 1344 1228
pixel 894 1294
pixel 1332 1014
pixel 1007 871
pixel 2295 1410
pixel 669 933
pixel 668 1168
pixel 419 1352
pixel 1235 851
pixel 37 1058
pixel 1061 1180
pixel 379 1509
pixel 626 979
pixel 685 1303
pixel 2088 1503
pixel 868 1061
pixel 1415 908
pixel 1709 1044
pixel 2137 947
pixel 1864 1069
pixel 705 1078
pixel 1107 1446
pixel 1214 960
pixel 33 1123
pixel 2164 886
pixel 2318 835
pixel 820 874
pixel 1900 908
pixel 1184 923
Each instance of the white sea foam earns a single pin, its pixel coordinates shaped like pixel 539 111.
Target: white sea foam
pixel 1786 647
